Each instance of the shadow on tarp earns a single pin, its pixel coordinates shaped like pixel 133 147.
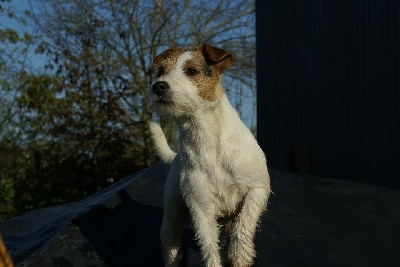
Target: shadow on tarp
pixel 131 207
pixel 127 235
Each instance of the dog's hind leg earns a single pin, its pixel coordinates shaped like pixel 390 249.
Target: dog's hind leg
pixel 174 220
pixel 242 229
pixel 175 217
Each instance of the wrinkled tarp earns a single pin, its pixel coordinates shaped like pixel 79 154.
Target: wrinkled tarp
pixel 311 221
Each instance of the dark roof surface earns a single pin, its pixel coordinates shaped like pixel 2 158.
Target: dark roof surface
pixel 311 221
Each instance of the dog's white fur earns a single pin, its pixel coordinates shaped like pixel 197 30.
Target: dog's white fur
pixel 219 171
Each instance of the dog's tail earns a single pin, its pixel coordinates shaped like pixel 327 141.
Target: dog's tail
pixel 164 152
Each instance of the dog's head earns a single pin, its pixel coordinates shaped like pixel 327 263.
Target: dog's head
pixel 188 80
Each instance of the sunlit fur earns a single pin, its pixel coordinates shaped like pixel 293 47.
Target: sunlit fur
pixel 219 170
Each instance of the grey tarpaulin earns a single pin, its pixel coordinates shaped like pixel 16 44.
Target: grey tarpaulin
pixel 311 221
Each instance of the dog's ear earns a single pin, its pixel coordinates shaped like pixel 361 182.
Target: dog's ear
pixel 165 54
pixel 219 58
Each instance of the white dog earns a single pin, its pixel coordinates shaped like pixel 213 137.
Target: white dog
pixel 219 171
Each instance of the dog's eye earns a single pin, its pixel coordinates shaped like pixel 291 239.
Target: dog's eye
pixel 190 72
pixel 160 72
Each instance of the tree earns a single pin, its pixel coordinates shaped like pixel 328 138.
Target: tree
pixel 13 48
pixel 82 122
pixel 104 49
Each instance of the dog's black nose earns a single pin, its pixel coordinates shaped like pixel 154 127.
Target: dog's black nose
pixel 160 87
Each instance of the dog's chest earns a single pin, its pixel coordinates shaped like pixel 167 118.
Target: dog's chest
pixel 208 176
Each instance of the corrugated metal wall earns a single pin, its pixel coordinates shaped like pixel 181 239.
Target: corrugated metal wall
pixel 329 87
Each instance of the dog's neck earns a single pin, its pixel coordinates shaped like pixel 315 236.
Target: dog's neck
pixel 207 125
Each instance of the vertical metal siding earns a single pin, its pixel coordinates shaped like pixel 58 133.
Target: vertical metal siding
pixel 328 77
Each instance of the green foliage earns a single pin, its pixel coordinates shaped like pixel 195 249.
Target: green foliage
pixel 9 35
pixel 72 148
pixel 7 194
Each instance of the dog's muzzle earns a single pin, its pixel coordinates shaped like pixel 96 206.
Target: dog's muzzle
pixel 160 87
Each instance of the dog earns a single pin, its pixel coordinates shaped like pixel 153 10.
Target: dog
pixel 219 171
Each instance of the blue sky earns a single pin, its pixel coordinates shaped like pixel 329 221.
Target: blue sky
pixel 34 62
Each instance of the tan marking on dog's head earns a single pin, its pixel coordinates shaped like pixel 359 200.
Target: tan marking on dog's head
pixel 164 62
pixel 205 70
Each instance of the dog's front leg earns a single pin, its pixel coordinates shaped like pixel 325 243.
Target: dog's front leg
pixel 207 234
pixel 242 229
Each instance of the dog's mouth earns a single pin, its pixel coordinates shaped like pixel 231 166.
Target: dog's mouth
pixel 162 101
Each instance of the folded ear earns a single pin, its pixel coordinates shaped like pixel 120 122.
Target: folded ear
pixel 218 58
pixel 165 54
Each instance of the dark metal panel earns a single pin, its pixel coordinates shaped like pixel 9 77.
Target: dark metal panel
pixel 328 87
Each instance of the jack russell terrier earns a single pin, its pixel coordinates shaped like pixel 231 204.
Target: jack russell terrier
pixel 220 171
